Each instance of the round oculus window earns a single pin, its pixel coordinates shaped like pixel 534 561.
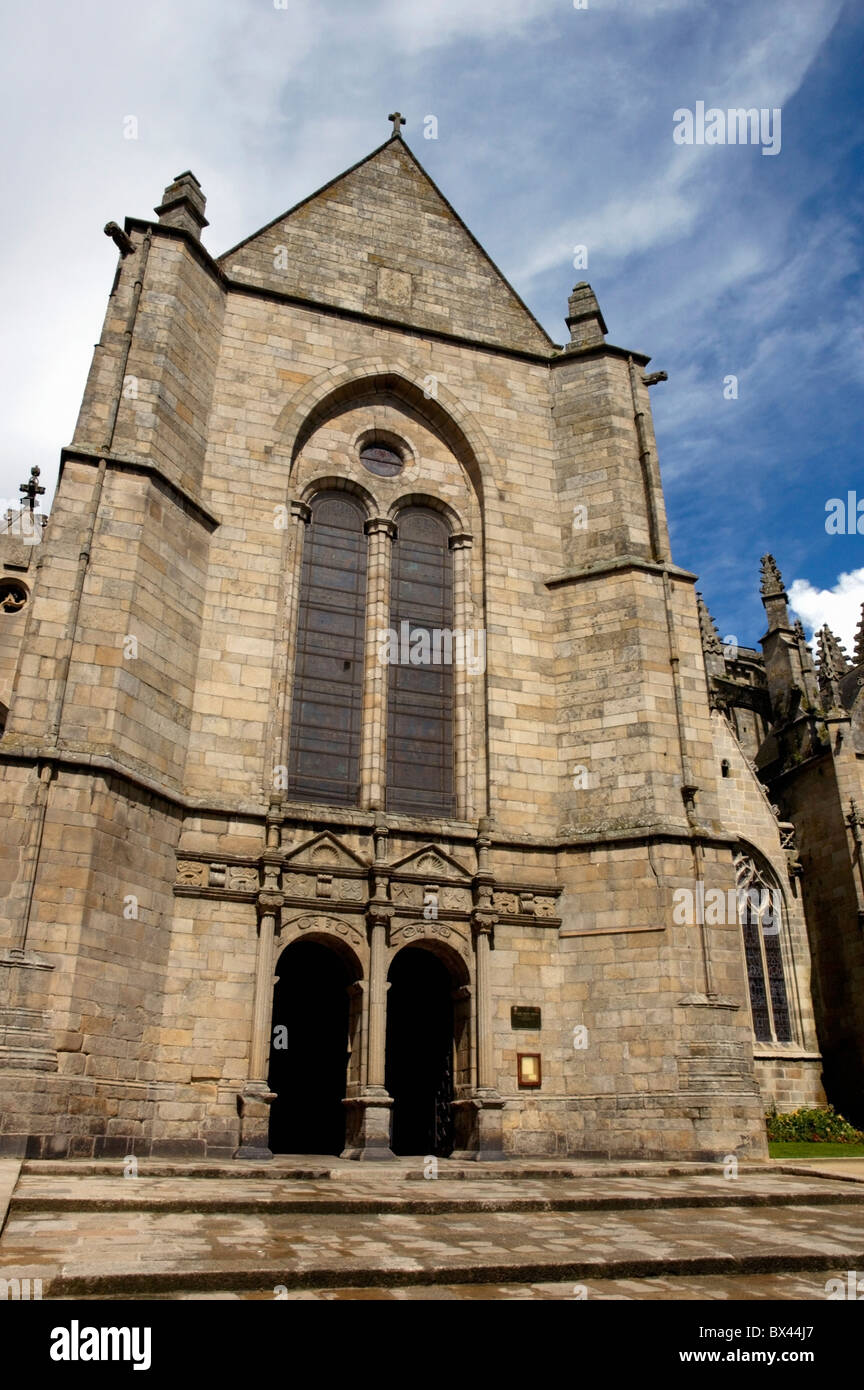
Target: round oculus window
pixel 381 459
pixel 13 596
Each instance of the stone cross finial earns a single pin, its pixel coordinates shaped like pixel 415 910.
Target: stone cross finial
pixel 398 120
pixel 772 580
pixel 31 489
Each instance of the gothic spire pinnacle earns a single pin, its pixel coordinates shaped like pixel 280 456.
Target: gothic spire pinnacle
pixel 859 640
pixel 711 644
pixel 774 597
pixel 772 580
pixel 832 667
pixel 839 656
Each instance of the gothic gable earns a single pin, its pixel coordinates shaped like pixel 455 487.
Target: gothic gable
pixel 432 863
pixel 383 240
pixel 323 852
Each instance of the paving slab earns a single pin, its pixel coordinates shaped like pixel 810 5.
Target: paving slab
pixel 142 1251
pixel 849 1169
pixel 374 1192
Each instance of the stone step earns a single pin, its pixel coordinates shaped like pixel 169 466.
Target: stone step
pixel 142 1253
pixel 401 1169
pixel 373 1194
pixel 812 1286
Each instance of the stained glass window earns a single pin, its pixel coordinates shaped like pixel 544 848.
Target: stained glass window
pixel 760 912
pixel 328 688
pixel 420 700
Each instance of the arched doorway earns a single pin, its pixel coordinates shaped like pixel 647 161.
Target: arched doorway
pixel 419 1059
pixel 309 1050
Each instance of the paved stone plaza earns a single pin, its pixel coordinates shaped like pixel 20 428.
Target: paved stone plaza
pixel 324 1231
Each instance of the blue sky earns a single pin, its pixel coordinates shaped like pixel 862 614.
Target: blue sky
pixel 554 130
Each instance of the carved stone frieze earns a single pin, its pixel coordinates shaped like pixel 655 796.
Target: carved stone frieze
pixel 506 902
pixel 329 926
pixel 431 931
pixel 407 894
pixel 242 878
pixel 192 874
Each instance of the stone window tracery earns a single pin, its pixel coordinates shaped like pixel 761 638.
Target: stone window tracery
pixel 760 912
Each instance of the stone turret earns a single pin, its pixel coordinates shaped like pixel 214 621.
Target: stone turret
pixel 585 321
pixel 183 205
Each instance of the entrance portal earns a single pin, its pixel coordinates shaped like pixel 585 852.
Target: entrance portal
pixel 309 1050
pixel 419 1065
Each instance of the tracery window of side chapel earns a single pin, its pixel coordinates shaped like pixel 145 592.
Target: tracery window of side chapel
pixel 760 913
pixel 327 705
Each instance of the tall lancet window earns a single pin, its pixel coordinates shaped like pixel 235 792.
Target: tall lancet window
pixel 420 701
pixel 760 911
pixel 328 688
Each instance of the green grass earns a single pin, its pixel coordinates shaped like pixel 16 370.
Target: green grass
pixel 796 1150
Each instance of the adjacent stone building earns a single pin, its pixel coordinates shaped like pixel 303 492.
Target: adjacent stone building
pixel 362 788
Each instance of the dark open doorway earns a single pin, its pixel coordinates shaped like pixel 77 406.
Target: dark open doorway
pixel 419 1069
pixel 309 1050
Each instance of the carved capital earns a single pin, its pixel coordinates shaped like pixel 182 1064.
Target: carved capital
pixel 484 884
pixel 461 540
pixel 269 903
pixel 380 526
pixel 380 914
pixel 483 921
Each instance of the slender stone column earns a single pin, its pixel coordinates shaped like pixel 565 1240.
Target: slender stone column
pixel 301 515
pixel 263 1005
pixel 381 533
pixel 368 1115
pixel 257 1097
pixel 375 1059
pixel 485 1054
pixel 463 612
pixel 479 1124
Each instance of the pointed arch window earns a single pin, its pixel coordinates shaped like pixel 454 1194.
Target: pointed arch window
pixel 420 694
pixel 760 912
pixel 324 757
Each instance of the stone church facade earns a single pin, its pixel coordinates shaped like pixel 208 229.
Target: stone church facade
pixel 373 781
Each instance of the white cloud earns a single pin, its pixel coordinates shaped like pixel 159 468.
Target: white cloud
pixel 839 607
pixel 418 27
pixel 545 111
